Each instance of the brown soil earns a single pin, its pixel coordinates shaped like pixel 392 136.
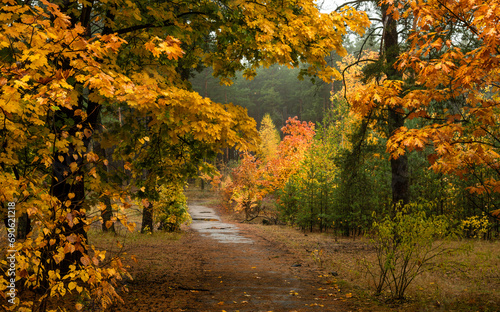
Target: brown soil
pixel 198 273
pixel 283 270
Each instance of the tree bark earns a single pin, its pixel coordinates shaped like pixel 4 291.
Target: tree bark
pixel 69 216
pixel 107 213
pixel 23 226
pixel 147 219
pixel 399 167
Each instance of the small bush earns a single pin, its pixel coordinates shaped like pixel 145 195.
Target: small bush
pixel 475 227
pixel 171 207
pixel 405 244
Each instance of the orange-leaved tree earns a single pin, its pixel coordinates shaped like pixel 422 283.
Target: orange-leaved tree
pixel 46 65
pixel 452 61
pixel 447 81
pixel 256 177
pixel 298 137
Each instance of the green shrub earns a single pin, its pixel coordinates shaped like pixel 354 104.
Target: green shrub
pixel 171 207
pixel 405 244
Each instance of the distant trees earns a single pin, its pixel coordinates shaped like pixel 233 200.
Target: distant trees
pixel 256 178
pixel 275 91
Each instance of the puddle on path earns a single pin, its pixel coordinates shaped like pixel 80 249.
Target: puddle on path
pixel 208 223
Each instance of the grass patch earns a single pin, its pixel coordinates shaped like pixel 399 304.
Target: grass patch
pixel 128 239
pixel 205 197
pixel 460 281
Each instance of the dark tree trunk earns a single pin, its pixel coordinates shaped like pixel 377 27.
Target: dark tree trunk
pixel 23 226
pixel 147 211
pixel 106 214
pixel 396 119
pixel 69 217
pixel 147 219
pixel 399 167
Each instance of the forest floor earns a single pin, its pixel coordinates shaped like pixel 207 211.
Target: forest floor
pixel 279 268
pixel 201 273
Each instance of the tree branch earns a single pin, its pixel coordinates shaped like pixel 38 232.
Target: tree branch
pixel 343 74
pixel 152 25
pixel 357 2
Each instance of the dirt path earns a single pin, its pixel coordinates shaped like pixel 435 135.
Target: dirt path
pixel 221 266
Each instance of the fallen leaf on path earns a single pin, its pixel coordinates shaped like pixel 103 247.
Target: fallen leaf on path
pixel 316 305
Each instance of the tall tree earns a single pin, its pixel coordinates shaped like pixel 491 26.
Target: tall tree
pixel 369 104
pixel 396 114
pixel 453 58
pixel 269 138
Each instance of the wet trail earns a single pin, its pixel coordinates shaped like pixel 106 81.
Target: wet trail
pixel 221 266
pixel 245 275
pixel 209 224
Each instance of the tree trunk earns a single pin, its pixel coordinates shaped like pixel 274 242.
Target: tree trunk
pixel 108 213
pixel 70 209
pixel 147 219
pixel 399 167
pixel 23 226
pixel 147 211
pixel 103 170
pixel 396 119
pixel 67 179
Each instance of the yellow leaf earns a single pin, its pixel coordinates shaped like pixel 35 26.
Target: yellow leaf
pixel 73 166
pixel 131 226
pixel 71 285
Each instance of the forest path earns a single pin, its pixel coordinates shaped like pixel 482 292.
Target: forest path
pixel 222 266
pixel 209 224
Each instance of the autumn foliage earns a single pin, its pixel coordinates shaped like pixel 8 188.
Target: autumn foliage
pixel 87 85
pixel 97 114
pixel 452 87
pixel 254 177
